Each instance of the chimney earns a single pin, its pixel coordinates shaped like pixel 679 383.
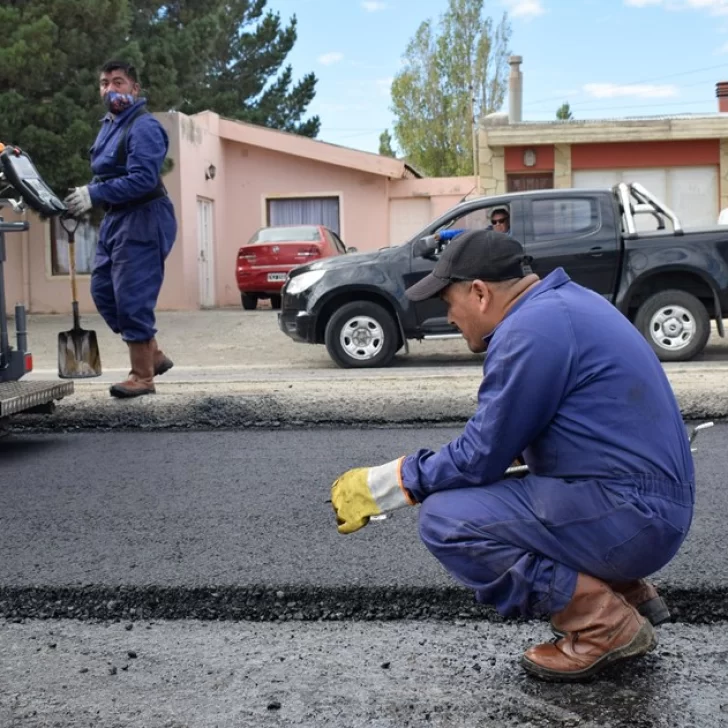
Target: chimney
pixel 515 90
pixel 721 91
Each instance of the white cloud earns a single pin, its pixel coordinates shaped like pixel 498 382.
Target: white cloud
pixel 384 85
pixel 639 90
pixel 371 6
pixel 714 7
pixel 328 58
pixel 525 8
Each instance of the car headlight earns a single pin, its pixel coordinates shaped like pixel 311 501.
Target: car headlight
pixel 300 283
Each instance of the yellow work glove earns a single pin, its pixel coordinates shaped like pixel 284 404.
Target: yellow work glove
pixel 361 493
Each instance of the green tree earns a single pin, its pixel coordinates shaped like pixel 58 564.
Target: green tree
pixel 223 55
pixel 564 112
pixel 385 144
pixel 49 57
pixel 454 74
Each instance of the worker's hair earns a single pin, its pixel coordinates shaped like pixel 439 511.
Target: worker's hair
pixel 126 68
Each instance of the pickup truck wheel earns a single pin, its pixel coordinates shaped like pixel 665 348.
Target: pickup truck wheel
pixel 361 334
pixel 675 323
pixel 275 301
pixel 249 301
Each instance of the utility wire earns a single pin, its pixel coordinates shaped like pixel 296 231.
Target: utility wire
pixel 647 80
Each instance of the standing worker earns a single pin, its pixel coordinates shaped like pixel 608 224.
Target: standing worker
pixel 139 227
pixel 574 388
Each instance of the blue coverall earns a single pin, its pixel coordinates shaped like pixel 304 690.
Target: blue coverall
pixel 571 385
pixel 135 236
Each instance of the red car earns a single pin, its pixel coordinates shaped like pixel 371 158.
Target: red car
pixel 264 262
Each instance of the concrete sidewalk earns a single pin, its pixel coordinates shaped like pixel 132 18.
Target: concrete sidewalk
pixel 234 368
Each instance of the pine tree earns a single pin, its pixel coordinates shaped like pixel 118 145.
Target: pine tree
pixel 50 53
pixel 192 55
pixel 563 113
pixel 226 56
pixel 385 144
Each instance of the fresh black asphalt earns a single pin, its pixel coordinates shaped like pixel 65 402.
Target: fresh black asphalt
pixel 232 525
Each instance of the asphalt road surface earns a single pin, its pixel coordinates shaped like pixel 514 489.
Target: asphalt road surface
pixel 196 579
pixel 243 515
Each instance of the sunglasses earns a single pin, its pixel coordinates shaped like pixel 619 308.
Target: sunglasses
pixel 500 221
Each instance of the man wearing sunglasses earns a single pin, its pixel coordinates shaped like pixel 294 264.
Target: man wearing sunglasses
pixel 501 220
pixel 608 499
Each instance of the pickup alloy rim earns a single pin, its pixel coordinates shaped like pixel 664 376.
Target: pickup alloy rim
pixel 362 338
pixel 673 327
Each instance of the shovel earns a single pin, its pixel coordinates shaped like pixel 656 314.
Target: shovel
pixel 78 349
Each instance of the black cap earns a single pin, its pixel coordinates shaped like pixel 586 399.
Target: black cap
pixel 475 254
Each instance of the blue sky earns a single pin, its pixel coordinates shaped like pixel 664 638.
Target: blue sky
pixel 607 58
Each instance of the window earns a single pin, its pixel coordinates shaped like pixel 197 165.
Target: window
pixel 559 217
pixel 474 219
pixel 302 233
pixel 304 211
pixel 86 236
pixel 338 243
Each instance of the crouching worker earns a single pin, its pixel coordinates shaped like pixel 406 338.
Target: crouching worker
pixel 139 227
pixel 571 385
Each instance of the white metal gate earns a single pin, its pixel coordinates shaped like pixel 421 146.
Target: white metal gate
pixel 205 252
pixel 692 192
pixel 407 217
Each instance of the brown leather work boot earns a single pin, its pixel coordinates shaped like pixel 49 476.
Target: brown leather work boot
pixel 141 377
pixel 162 363
pixel 600 628
pixel 642 595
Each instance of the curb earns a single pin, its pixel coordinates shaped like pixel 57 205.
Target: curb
pixel 361 404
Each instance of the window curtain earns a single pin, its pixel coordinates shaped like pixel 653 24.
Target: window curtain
pixel 305 211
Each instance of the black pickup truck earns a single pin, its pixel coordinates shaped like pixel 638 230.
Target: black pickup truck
pixel 622 242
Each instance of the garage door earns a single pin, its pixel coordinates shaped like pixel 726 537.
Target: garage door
pixel 692 192
pixel 407 217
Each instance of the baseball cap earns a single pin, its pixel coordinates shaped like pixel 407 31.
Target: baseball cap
pixel 485 255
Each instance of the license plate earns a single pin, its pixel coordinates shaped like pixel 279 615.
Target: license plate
pixel 273 277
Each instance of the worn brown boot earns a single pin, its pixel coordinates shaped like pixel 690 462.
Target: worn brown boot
pixel 642 595
pixel 162 363
pixel 600 628
pixel 141 377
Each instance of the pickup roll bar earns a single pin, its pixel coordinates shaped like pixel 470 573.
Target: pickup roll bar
pixel 636 200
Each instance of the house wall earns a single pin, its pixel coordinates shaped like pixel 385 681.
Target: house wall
pixel 245 175
pixel 632 155
pixel 253 175
pixel 194 147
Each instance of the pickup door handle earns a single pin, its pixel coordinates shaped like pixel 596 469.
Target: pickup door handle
pixel 596 251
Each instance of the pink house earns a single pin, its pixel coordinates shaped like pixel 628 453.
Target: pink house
pixel 229 179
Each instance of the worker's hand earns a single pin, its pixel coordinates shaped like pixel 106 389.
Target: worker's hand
pixel 78 201
pixel 361 493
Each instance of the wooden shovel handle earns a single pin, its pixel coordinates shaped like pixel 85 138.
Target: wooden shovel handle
pixel 72 265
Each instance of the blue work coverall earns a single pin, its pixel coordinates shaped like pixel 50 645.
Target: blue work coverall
pixel 137 233
pixel 571 385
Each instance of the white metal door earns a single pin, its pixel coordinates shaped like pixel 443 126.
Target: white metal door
pixel 406 217
pixel 205 252
pixel 692 192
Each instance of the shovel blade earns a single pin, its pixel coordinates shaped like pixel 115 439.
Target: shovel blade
pixel 78 354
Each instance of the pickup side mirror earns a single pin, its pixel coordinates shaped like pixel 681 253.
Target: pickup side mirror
pixel 425 247
pixel 352 250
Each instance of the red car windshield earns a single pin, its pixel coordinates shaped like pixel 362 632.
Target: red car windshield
pixel 303 234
